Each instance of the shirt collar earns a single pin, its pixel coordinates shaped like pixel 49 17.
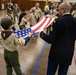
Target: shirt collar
pixel 66 13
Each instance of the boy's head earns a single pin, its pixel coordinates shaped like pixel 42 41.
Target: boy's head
pixel 6 23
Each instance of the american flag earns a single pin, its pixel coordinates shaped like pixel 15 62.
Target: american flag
pixel 40 26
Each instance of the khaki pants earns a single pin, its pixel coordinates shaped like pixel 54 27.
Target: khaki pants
pixel 12 61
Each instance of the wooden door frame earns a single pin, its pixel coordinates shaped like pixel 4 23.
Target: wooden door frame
pixel 0 4
pixel 4 2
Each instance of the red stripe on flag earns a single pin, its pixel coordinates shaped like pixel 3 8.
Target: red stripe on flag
pixel 48 23
pixel 40 25
pixel 35 24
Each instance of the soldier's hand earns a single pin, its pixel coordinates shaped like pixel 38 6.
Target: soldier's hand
pixel 41 34
pixel 30 34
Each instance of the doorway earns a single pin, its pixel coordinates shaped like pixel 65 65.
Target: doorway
pixel 3 4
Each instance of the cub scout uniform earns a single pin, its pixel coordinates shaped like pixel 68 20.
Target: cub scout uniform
pixel 9 42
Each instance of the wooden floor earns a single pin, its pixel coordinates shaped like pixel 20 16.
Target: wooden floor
pixel 33 57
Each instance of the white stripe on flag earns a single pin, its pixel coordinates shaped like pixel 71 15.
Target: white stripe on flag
pixel 51 21
pixel 39 23
pixel 43 26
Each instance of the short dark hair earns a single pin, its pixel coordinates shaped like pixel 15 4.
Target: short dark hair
pixel 23 10
pixel 6 23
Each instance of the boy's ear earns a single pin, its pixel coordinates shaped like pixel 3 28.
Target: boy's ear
pixel 10 27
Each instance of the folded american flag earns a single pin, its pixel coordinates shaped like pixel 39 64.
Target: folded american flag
pixel 40 26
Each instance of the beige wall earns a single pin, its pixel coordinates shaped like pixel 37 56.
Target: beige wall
pixel 48 0
pixel 70 1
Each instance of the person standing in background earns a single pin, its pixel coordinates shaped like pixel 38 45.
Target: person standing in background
pixel 9 15
pixel 46 9
pixel 24 21
pixel 74 10
pixel 9 6
pixel 22 14
pixel 32 18
pixel 15 11
pixel 38 12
